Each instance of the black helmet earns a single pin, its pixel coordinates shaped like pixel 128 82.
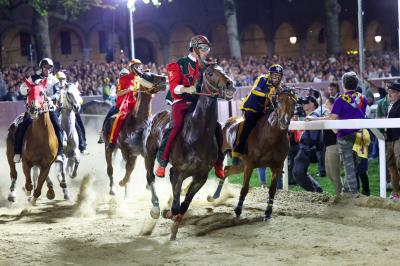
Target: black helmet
pixel 275 68
pixel 46 61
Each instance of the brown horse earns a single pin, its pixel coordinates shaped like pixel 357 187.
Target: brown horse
pixel 195 150
pixel 40 145
pixel 132 130
pixel 267 145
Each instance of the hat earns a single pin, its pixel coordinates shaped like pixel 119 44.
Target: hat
pixel 394 86
pixel 308 99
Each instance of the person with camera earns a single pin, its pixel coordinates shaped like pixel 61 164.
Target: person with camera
pixel 309 144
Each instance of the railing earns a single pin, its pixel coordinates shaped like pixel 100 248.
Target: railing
pixel 373 124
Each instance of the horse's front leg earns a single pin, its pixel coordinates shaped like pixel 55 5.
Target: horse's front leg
pixel 272 191
pixel 129 166
pixel 77 160
pixel 245 189
pixel 44 172
pixel 110 169
pixel 28 179
pixel 176 183
pixel 149 164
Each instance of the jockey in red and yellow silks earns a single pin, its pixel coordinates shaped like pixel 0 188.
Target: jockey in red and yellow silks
pixel 126 90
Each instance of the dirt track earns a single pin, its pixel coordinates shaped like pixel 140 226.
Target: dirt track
pixel 102 230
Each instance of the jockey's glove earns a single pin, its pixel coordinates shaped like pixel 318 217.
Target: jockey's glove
pixel 189 90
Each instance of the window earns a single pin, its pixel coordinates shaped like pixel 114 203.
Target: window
pixel 102 42
pixel 24 42
pixel 65 37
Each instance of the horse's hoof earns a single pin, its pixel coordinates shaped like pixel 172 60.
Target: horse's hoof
pixel 122 183
pixel 50 194
pixel 112 193
pixel 167 214
pixel 11 198
pixel 148 187
pixel 155 212
pixel 267 218
pixel 33 201
pixel 63 184
pixel 238 212
pixel 66 197
pixel 73 175
pixel 210 198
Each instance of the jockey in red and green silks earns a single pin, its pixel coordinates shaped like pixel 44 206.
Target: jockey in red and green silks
pixel 185 78
pixel 256 104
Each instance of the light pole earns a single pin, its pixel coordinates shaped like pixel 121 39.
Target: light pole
pixel 361 42
pixel 131 6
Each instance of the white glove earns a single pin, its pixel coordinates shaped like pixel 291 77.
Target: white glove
pixel 189 90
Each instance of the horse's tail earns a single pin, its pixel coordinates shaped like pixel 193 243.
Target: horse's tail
pixel 229 135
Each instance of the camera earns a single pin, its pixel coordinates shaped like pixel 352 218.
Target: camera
pixel 298 110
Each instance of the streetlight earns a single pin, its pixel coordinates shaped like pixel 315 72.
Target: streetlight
pixel 131 6
pixel 378 38
pixel 293 39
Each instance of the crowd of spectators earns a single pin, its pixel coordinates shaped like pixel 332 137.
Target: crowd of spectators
pixel 244 71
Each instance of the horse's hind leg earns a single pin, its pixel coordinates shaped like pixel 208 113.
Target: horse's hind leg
pixel 245 189
pixel 42 178
pixel 76 164
pixel 229 170
pixel 129 166
pixel 50 189
pixel 110 170
pixel 272 191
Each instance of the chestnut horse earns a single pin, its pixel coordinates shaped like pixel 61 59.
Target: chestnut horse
pixel 132 129
pixel 39 144
pixel 195 150
pixel 267 146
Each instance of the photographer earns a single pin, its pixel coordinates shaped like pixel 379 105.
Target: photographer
pixel 309 145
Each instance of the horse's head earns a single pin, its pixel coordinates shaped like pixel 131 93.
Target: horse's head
pixel 217 83
pixel 285 102
pixel 36 100
pixel 72 99
pixel 158 82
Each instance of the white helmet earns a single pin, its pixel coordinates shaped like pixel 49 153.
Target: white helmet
pixel 46 61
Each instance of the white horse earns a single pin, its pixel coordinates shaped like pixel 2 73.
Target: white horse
pixel 71 101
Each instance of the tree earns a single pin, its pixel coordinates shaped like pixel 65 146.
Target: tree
pixel 231 28
pixel 43 9
pixel 332 10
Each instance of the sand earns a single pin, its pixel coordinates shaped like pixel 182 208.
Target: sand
pixel 95 228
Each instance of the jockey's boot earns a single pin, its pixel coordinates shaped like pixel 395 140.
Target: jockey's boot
pixel 17 158
pixel 101 140
pixel 111 146
pixel 219 171
pixel 160 171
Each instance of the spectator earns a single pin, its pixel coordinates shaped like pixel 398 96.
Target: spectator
pixel 349 105
pixel 309 144
pixel 262 176
pixel 393 140
pixel 332 157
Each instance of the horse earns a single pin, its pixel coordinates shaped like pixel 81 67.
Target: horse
pixel 132 130
pixel 70 105
pixel 195 150
pixel 267 146
pixel 39 145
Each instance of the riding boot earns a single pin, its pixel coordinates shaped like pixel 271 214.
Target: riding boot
pixel 19 137
pixel 219 165
pixel 59 134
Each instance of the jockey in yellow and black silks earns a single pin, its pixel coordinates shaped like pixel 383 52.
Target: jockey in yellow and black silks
pixel 256 104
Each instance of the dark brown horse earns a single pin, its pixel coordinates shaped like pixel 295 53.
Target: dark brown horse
pixel 267 146
pixel 132 130
pixel 40 145
pixel 195 150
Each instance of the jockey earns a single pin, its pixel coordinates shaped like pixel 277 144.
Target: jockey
pixel 44 74
pixel 126 100
pixel 113 110
pixel 80 129
pixel 185 79
pixel 256 104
